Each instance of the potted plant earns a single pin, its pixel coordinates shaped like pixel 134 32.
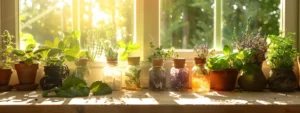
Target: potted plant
pixel 280 57
pixel 157 74
pixel 58 52
pixel 224 69
pixel 200 77
pixel 28 66
pixel 6 69
pixel 252 49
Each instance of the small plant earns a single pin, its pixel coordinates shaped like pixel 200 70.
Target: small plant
pixel 110 50
pixel 133 74
pixel 158 52
pixel 8 47
pixel 226 60
pixel 30 55
pixel 127 49
pixel 253 42
pixel 281 53
pixel 201 51
pixel 95 44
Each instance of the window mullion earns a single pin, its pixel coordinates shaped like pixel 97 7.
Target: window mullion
pixel 218 24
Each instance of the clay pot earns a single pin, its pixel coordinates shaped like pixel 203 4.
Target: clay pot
pixel 26 73
pixel 282 80
pixel 179 62
pixel 82 62
pixel 157 62
pixel 224 80
pixel 133 60
pixel 112 61
pixel 5 75
pixel 253 79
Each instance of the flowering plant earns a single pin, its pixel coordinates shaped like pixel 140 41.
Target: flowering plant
pixel 201 51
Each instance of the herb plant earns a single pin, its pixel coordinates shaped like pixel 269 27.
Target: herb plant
pixel 225 61
pixel 158 52
pixel 95 44
pixel 127 48
pixel 281 53
pixel 201 51
pixel 8 47
pixel 134 73
pixel 110 50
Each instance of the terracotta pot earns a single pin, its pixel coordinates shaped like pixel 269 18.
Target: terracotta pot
pixel 199 60
pixel 282 80
pixel 82 62
pixel 111 61
pixel 157 62
pixel 5 75
pixel 133 60
pixel 26 73
pixel 224 80
pixel 253 79
pixel 179 62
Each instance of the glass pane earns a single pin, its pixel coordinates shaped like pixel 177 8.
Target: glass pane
pixel 186 23
pixel 46 19
pixel 263 13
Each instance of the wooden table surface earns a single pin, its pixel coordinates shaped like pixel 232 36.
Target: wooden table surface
pixel 146 101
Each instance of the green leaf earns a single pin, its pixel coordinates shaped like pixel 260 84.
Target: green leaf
pixel 30 48
pixel 56 42
pixel 72 81
pixel 40 50
pixel 122 44
pixel 48 43
pixel 237 64
pixel 100 88
pixel 70 58
pixel 53 52
pixel 220 64
pixel 227 50
pixel 61 45
pixel 133 47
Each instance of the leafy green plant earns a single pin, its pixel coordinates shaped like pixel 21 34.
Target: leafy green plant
pixel 127 49
pixel 59 51
pixel 8 47
pixel 100 88
pixel 225 61
pixel 158 52
pixel 281 53
pixel 30 55
pixel 133 74
pixel 72 87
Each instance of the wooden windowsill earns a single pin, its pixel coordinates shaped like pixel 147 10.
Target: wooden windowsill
pixel 146 101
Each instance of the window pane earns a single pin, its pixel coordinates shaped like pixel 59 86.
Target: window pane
pixel 186 23
pixel 263 13
pixel 47 19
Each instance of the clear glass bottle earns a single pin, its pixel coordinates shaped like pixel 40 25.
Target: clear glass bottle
pixel 82 69
pixel 179 75
pixel 200 76
pixel 133 74
pixel 157 76
pixel 112 74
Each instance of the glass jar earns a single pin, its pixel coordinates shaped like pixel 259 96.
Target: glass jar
pixel 82 69
pixel 157 76
pixel 133 74
pixel 179 75
pixel 200 76
pixel 112 74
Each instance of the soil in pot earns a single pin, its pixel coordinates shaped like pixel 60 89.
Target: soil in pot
pixel 252 79
pixel 26 73
pixel 5 75
pixel 282 80
pixel 224 80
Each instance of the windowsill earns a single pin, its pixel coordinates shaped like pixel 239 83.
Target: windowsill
pixel 149 101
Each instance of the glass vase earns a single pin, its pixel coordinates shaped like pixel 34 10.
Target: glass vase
pixel 157 76
pixel 179 75
pixel 200 76
pixel 133 74
pixel 82 69
pixel 112 74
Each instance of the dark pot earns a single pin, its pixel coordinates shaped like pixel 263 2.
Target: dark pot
pixel 252 79
pixel 282 80
pixel 111 61
pixel 26 73
pixel 224 80
pixel 5 75
pixel 53 76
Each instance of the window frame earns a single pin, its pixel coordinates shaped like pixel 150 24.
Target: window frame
pixel 148 19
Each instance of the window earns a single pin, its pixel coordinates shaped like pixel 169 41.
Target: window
pixel 186 23
pixel 46 19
